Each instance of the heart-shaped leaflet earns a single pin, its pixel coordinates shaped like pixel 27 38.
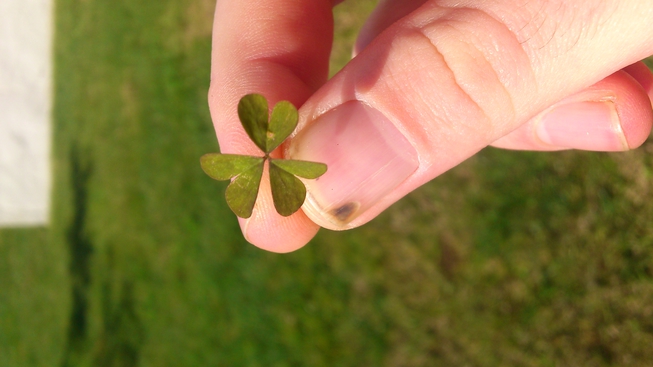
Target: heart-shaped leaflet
pixel 288 192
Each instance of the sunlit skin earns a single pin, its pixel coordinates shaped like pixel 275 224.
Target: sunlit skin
pixel 450 77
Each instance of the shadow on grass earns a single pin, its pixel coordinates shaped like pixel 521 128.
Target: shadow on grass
pixel 81 249
pixel 119 341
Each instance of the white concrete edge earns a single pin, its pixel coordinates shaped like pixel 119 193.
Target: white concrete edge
pixel 26 36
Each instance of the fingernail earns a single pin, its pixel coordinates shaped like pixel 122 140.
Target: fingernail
pixel 583 125
pixel 366 155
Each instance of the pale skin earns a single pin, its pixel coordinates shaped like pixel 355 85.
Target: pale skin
pixel 448 77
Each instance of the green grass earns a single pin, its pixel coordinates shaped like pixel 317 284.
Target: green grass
pixel 511 259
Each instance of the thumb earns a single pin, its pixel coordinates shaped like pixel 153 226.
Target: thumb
pixel 446 81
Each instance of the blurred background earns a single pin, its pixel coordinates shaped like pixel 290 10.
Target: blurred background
pixel 511 259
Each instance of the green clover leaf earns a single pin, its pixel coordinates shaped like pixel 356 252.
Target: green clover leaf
pixel 288 192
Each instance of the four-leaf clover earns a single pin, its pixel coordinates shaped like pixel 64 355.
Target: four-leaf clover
pixel 288 192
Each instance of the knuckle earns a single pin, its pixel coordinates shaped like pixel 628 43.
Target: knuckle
pixel 486 67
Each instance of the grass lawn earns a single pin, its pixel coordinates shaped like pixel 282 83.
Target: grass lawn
pixel 511 259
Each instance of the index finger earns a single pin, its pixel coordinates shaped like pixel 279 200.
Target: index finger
pixel 280 49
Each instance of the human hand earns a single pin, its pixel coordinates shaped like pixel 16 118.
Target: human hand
pixel 434 82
